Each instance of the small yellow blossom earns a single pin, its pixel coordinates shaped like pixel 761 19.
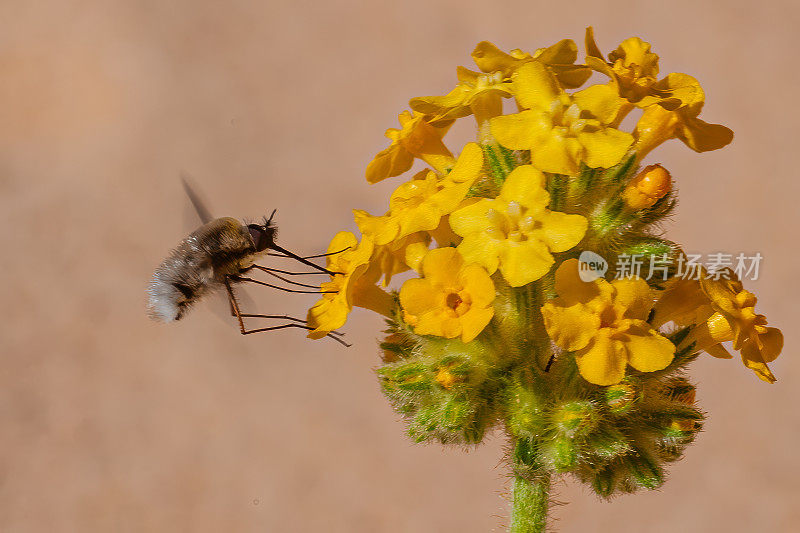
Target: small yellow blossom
pixel 633 70
pixel 420 204
pixel 348 287
pixel 417 137
pixel 649 186
pixel 476 93
pixel 605 325
pixel 722 310
pixel 516 232
pixel 562 130
pixel 452 298
pixel 559 58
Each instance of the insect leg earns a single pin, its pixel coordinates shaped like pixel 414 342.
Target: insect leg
pixel 251 280
pixel 301 326
pixel 301 259
pixel 298 323
pixel 268 271
pixel 234 305
pixel 313 256
pixel 286 317
pixel 287 272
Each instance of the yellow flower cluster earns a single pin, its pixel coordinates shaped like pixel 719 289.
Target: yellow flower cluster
pixel 489 220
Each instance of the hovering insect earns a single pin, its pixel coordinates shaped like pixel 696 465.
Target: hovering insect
pixel 215 256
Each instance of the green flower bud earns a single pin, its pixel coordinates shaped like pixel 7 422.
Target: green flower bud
pixel 622 397
pixel 577 417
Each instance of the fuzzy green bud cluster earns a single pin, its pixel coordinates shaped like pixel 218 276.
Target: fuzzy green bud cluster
pixel 512 377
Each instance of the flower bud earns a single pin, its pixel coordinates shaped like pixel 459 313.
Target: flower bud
pixel 622 396
pixel 650 185
pixel 577 417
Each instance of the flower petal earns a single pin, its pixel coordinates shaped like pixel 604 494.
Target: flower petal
pixel 761 370
pixel 481 249
pixel 478 284
pixel 563 52
pixel 535 87
pixel 474 321
pixel 602 101
pixel 417 296
pixel 519 131
pixel 526 186
pixel 472 218
pixel 442 265
pixel 683 302
pixel 606 147
pixel 572 327
pixel 451 105
pixel 524 262
pixel 603 361
pixel 469 164
pixel 327 315
pixel 701 136
pixel 633 297
pixel 489 58
pixel 561 231
pixel 591 45
pixel 648 351
pixel 392 161
pixel 772 344
pixel 571 289
pixel 557 154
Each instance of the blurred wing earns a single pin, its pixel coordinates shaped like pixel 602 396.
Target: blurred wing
pixel 200 206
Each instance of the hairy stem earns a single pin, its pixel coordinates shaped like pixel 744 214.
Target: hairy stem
pixel 529 510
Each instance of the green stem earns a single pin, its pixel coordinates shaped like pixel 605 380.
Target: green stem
pixel 529 510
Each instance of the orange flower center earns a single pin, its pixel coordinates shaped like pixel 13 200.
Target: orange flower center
pixel 457 302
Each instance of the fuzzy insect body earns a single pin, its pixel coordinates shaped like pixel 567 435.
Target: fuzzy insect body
pixel 202 262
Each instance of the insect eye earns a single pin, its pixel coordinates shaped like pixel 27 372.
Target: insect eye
pixel 259 237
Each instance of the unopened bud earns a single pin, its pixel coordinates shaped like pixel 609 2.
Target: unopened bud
pixel 575 417
pixel 650 185
pixel 622 396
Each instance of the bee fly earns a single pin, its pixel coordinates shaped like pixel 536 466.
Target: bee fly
pixel 216 255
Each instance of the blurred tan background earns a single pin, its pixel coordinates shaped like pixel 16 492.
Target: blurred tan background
pixel 113 423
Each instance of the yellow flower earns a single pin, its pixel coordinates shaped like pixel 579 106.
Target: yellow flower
pixel 722 311
pixel 515 232
pixel 420 204
pixel 348 287
pixel 562 130
pixel 658 125
pixel 649 186
pixel 452 298
pixel 559 58
pixel 481 93
pixel 633 70
pixel 475 93
pixel 417 137
pixel 605 325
